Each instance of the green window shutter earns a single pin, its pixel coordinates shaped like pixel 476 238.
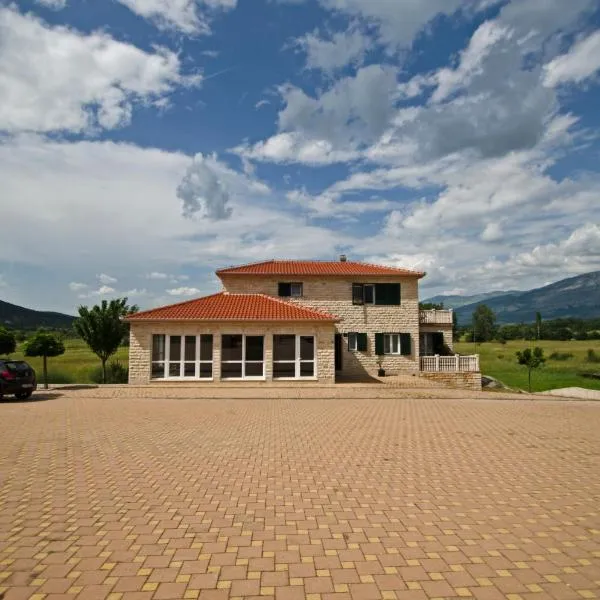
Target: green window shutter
pixel 284 290
pixel 387 294
pixel 362 342
pixel 405 344
pixel 357 293
pixel 438 342
pixel 379 344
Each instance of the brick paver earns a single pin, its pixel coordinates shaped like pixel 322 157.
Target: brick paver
pixel 111 495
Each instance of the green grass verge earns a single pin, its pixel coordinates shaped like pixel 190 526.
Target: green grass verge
pixel 74 366
pixel 499 361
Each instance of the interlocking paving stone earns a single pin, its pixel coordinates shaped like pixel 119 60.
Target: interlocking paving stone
pixel 149 493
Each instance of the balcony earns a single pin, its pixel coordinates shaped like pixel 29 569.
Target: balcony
pixel 435 317
pixel 450 364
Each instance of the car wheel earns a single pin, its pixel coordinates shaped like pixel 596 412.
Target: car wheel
pixel 23 395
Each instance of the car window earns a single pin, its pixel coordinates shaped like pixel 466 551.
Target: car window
pixel 17 366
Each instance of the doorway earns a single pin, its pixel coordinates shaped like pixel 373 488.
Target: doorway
pixel 339 344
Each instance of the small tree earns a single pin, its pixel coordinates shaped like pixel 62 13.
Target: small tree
pixel 46 345
pixel 102 328
pixel 538 325
pixel 8 341
pixel 531 360
pixel 484 324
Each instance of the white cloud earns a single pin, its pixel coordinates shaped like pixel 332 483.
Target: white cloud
pixel 102 291
pixel 106 279
pixel 75 286
pixel 578 64
pixel 203 192
pixel 62 191
pixel 295 147
pixel 157 275
pixel 135 292
pixel 55 78
pixel 492 232
pixel 188 16
pixel 53 4
pixel 183 291
pixel 335 51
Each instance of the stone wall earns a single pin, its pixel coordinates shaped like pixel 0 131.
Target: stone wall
pixel 334 295
pixel 140 348
pixel 462 380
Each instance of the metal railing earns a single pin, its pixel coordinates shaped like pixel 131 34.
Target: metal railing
pixel 450 364
pixel 435 317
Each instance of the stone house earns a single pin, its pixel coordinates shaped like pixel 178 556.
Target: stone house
pixel 298 321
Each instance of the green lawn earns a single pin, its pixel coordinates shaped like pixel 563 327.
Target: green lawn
pixel 499 361
pixel 74 366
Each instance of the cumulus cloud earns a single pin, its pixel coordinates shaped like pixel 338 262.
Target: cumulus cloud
pixel 579 63
pixel 58 79
pixel 53 4
pixel 183 291
pixel 187 16
pixel 106 279
pixel 202 192
pixel 157 275
pixel 75 286
pixel 332 52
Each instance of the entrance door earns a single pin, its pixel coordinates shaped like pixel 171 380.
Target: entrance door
pixel 339 344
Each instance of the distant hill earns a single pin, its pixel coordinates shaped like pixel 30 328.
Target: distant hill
pixel 458 301
pixel 18 317
pixel 577 297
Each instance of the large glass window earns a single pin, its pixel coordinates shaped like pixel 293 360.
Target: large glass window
pixel 242 356
pixel 293 356
pixel 182 357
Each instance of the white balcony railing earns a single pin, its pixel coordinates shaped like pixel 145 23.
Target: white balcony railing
pixel 450 364
pixel 435 317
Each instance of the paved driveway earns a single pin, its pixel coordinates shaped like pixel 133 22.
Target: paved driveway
pixel 122 497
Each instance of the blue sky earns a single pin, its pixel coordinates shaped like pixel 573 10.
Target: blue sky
pixel 143 143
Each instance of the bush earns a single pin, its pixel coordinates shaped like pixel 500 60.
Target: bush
pixel 116 372
pixel 592 356
pixel 561 356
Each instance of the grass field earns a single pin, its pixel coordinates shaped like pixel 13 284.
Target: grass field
pixel 499 361
pixel 76 365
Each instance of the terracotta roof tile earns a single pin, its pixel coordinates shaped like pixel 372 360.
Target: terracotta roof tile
pixel 233 307
pixel 316 267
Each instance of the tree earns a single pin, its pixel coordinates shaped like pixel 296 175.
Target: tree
pixel 455 331
pixel 538 325
pixel 531 360
pixel 44 344
pixel 102 328
pixel 484 323
pixel 8 341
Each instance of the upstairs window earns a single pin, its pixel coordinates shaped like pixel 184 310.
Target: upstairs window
pixel 382 294
pixel 290 290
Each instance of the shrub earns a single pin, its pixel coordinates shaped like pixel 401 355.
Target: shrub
pixel 116 372
pixel 561 356
pixel 592 356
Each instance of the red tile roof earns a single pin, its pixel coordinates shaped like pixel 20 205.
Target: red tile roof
pixel 316 267
pixel 233 307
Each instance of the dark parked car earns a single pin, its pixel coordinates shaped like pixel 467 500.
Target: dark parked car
pixel 16 377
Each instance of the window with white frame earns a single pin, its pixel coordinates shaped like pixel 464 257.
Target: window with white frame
pixel 242 356
pixel 353 341
pixel 391 343
pixel 293 356
pixel 182 356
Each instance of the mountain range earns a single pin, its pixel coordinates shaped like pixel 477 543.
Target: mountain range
pixel 18 317
pixel 575 297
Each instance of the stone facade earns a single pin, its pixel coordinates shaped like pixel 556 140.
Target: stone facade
pixel 334 295
pixel 140 346
pixel 458 379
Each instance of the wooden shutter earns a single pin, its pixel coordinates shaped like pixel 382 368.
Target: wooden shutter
pixel 387 294
pixel 362 342
pixel 357 293
pixel 379 344
pixel 405 344
pixel 284 290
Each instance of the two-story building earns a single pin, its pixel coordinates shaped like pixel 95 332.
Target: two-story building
pixel 294 320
